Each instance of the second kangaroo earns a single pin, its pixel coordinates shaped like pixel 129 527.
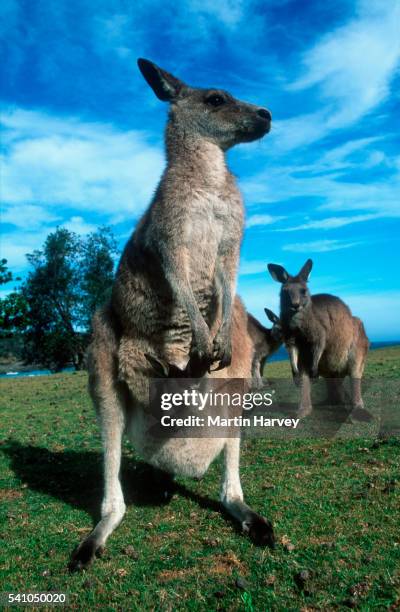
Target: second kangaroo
pixel 321 335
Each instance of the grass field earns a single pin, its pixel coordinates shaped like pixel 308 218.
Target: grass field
pixel 335 505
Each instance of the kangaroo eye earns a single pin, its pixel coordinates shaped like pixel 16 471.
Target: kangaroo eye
pixel 304 292
pixel 215 100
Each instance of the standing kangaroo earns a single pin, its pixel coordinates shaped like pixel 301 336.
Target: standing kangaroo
pixel 173 298
pixel 180 264
pixel 321 335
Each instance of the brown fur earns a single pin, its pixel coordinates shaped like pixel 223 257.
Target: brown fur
pixel 252 344
pixel 118 413
pixel 265 342
pixel 173 300
pixel 321 334
pixel 180 264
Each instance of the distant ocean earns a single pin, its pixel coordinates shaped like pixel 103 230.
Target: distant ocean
pixel 280 355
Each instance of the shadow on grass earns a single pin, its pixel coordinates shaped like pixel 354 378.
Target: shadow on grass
pixel 75 478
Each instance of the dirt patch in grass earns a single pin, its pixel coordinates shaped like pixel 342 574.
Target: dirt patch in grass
pixel 223 564
pixel 9 494
pixel 175 574
pixel 226 563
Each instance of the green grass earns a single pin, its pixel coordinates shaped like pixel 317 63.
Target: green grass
pixel 335 505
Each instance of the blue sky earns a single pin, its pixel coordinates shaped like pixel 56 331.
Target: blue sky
pixel 82 133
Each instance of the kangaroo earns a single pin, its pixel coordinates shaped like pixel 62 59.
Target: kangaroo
pixel 119 412
pixel 172 300
pixel 265 342
pixel 321 335
pixel 181 261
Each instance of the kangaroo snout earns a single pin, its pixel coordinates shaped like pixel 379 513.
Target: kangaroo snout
pixel 264 118
pixel 264 113
pixel 255 126
pixel 263 121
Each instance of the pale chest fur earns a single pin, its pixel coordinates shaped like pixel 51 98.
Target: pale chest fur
pixel 195 226
pixel 211 218
pixel 216 220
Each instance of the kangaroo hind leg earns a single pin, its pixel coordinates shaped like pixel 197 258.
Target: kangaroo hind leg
pixel 111 417
pixel 108 395
pixel 258 528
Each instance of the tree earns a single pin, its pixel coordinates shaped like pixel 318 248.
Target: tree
pixel 71 277
pixel 14 314
pixel 98 255
pixel 5 274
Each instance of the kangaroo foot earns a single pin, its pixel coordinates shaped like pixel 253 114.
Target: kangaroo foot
pixel 259 530
pixel 84 554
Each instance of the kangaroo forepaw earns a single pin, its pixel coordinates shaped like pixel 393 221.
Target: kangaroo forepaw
pixel 201 355
pixel 198 365
pixel 222 350
pixel 224 360
pixel 259 530
pixel 84 554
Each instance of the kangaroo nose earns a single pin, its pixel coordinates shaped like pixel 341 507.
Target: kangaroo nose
pixel 264 113
pixel 295 305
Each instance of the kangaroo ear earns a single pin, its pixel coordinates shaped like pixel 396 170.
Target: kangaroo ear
pixel 165 85
pixel 278 273
pixel 305 272
pixel 271 316
pixel 160 367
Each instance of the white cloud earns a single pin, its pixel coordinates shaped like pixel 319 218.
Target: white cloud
pixel 248 268
pixel 318 246
pixel 28 216
pixel 298 131
pixel 62 162
pixel 79 226
pixel 58 171
pixel 327 182
pixel 337 158
pixel 354 64
pixel 15 246
pixel 352 68
pixel 330 223
pixel 256 220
